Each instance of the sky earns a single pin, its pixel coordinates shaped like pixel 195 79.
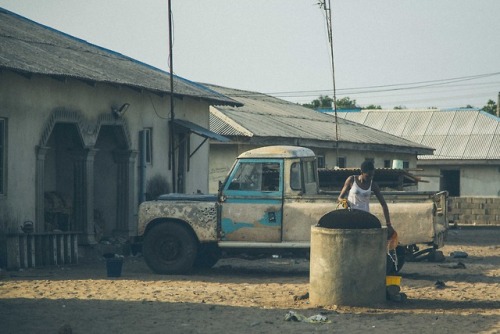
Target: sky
pixel 404 53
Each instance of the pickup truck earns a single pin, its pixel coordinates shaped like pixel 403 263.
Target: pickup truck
pixel 267 204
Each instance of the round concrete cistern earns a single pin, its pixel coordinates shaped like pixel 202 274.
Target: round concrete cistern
pixel 348 266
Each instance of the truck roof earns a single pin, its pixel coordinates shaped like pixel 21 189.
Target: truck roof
pixel 279 151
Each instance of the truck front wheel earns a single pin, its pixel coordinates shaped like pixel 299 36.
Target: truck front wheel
pixel 169 248
pixel 208 255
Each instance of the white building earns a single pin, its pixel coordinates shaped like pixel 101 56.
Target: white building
pixel 466 160
pixel 83 131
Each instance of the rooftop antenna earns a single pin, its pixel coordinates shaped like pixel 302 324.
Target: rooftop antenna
pixel 326 5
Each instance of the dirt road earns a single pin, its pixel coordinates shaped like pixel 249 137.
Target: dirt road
pixel 242 296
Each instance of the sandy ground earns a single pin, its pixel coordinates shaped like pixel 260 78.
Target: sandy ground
pixel 243 296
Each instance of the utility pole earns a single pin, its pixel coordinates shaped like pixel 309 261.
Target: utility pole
pixel 326 4
pixel 498 105
pixel 172 114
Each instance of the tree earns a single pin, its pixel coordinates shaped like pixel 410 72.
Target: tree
pixel 372 106
pixel 399 107
pixel 326 102
pixel 490 107
pixel 321 102
pixel 346 103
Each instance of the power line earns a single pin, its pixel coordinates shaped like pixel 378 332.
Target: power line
pixel 390 87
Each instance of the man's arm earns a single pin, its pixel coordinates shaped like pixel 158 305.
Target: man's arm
pixel 385 208
pixel 345 188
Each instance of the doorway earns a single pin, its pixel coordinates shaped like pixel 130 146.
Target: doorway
pixel 450 181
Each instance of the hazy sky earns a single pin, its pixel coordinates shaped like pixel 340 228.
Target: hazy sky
pixel 413 53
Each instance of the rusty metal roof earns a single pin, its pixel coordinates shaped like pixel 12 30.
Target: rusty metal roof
pixel 30 48
pixel 266 118
pixel 455 134
pixel 334 179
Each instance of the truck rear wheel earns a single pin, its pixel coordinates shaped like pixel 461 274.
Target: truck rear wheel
pixel 169 248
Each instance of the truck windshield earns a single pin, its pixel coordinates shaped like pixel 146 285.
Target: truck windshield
pixel 256 176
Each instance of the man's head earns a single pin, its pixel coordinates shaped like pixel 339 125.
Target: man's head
pixel 367 169
pixel 367 166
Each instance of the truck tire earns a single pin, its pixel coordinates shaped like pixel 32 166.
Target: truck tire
pixel 207 257
pixel 170 248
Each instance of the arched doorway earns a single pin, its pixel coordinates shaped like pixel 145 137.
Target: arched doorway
pixel 59 197
pixel 113 186
pixel 83 168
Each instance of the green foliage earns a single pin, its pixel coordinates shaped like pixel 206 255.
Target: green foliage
pixel 326 102
pixel 320 102
pixel 346 103
pixel 490 107
pixel 372 106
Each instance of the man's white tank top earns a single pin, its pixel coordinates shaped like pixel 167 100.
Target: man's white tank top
pixel 359 198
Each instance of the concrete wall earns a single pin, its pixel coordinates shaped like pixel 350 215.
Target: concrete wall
pixel 475 210
pixel 480 180
pixel 475 180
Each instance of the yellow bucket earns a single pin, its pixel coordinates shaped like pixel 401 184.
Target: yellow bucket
pixel 393 280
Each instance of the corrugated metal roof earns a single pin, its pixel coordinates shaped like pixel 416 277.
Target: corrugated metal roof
pixel 220 126
pixel 266 116
pixel 455 134
pixel 32 48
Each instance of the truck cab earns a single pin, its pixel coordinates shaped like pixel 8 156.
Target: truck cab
pixel 252 198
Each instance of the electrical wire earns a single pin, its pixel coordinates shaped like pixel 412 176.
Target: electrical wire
pixel 390 87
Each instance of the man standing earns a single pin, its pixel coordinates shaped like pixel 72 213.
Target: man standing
pixel 359 188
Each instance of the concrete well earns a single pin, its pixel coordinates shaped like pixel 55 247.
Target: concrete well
pixel 348 266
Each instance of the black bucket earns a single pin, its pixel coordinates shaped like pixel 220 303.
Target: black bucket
pixel 113 265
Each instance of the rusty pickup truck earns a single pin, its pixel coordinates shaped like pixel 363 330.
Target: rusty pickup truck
pixel 267 204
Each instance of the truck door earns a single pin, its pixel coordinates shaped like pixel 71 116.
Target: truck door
pixel 252 202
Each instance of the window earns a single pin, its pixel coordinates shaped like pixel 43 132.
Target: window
pixel 306 170
pixel 148 145
pixel 341 162
pixel 3 153
pixel 295 183
pixel 406 164
pixel 321 161
pixel 387 163
pixel 309 170
pixel 256 176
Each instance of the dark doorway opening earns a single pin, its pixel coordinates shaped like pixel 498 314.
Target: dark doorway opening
pixel 450 181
